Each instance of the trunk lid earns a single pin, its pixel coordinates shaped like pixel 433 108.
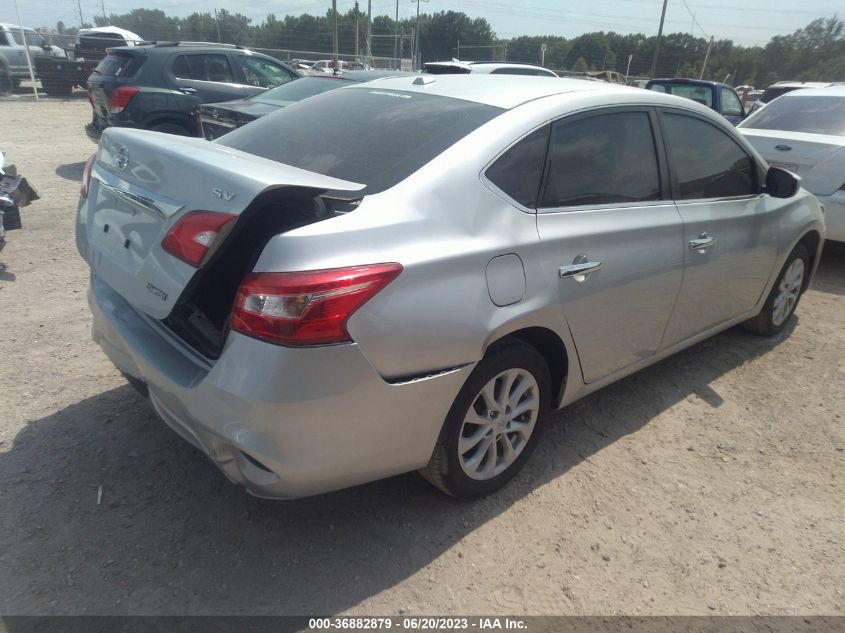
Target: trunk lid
pixel 144 182
pixel 818 158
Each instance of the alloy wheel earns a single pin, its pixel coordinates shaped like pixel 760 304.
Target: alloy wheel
pixel 498 424
pixel 789 291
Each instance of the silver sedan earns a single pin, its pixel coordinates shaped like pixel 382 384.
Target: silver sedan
pixel 410 274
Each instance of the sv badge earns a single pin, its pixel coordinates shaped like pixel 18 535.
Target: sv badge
pixel 222 194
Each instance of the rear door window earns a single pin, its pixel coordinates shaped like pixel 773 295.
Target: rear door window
pixel 602 159
pixel 707 162
pixel 3 40
pixel 518 171
pixel 204 67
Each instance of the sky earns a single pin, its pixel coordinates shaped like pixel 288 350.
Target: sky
pixel 746 22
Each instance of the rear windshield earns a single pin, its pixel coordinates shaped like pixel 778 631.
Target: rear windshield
pixel 810 114
pixel 100 41
pixel 117 65
pixel 375 137
pixel 773 93
pixel 699 94
pixel 298 90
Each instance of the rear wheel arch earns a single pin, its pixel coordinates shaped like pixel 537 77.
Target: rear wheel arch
pixel 183 122
pixel 553 350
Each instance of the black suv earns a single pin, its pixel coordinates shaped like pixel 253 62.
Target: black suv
pixel 159 86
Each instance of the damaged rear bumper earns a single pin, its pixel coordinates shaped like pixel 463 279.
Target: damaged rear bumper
pixel 282 422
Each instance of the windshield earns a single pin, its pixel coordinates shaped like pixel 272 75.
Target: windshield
pixel 375 137
pixel 798 113
pixel 699 94
pixel 298 90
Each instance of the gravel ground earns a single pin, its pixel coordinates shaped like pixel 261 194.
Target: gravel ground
pixel 710 483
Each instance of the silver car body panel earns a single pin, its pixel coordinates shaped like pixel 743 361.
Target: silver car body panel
pixel 328 417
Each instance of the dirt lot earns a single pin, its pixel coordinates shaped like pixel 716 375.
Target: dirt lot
pixel 709 483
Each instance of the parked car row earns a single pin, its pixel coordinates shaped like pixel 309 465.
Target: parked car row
pixel 412 274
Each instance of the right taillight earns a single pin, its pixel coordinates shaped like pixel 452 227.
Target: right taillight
pixel 85 187
pixel 307 308
pixel 121 97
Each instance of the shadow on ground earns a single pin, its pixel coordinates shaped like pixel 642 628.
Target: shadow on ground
pixel 171 535
pixel 71 171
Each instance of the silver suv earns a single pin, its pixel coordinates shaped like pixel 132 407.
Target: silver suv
pixel 412 273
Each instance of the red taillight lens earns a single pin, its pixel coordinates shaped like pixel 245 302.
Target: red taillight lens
pixel 191 238
pixel 85 187
pixel 120 98
pixel 307 308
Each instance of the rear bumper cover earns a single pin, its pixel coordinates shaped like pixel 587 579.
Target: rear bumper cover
pixel 282 422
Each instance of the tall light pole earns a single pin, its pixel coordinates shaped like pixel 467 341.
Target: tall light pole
pixel 26 50
pixel 659 37
pixel 334 36
pixel 396 38
pixel 370 30
pixel 417 33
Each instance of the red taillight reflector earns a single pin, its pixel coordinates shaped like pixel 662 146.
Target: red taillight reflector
pixel 191 238
pixel 85 187
pixel 121 97
pixel 307 308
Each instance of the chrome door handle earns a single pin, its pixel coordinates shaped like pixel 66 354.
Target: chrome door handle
pixel 188 91
pixel 574 270
pixel 704 241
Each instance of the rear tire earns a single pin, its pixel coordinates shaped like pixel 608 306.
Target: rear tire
pixel 785 295
pixel 494 423
pixel 168 127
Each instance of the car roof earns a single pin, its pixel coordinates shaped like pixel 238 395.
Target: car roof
pixel 684 80
pixel 502 91
pixel 470 65
pixel 801 84
pixel 9 25
pixel 832 90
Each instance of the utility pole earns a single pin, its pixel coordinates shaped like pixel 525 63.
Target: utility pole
pixel 706 55
pixel 103 4
pixel 543 55
pixel 334 36
pixel 357 47
pixel 417 35
pixel 459 49
pixel 628 69
pixel 659 37
pixel 217 20
pixel 79 6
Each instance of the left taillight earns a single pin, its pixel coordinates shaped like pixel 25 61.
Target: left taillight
pixel 85 187
pixel 121 97
pixel 195 234
pixel 307 308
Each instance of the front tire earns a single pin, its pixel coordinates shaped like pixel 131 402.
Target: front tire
pixel 785 294
pixel 494 423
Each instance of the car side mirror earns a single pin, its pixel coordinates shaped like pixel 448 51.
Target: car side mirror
pixel 781 183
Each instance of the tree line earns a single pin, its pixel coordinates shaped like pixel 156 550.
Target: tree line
pixel 815 52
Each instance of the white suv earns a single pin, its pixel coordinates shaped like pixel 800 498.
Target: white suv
pixel 456 67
